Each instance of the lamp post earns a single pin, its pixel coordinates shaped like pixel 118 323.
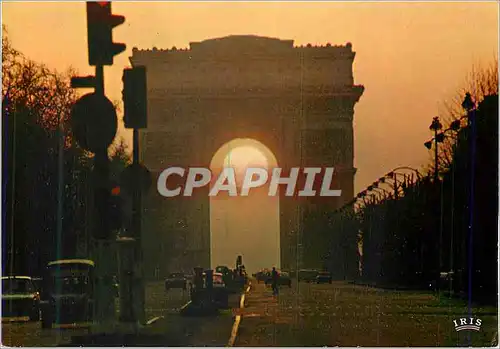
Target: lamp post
pixel 436 126
pixel 439 138
pixel 469 105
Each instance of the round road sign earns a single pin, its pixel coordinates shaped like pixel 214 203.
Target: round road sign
pixel 94 123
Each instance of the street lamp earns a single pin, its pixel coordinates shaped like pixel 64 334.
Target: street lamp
pixel 454 127
pixel 470 106
pixel 435 127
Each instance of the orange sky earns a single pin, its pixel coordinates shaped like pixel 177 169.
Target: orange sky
pixel 410 56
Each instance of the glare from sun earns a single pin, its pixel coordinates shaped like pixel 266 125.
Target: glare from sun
pixel 243 157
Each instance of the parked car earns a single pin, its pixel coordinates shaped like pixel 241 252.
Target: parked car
pixel 68 287
pixel 20 298
pixel 218 280
pixel 262 275
pixel 324 277
pixel 283 279
pixel 222 269
pixel 308 275
pixel 220 291
pixel 176 280
pixel 38 283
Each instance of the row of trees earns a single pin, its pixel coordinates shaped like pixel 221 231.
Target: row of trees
pixel 35 100
pixel 404 231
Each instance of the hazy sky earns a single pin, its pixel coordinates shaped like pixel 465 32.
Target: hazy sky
pixel 410 56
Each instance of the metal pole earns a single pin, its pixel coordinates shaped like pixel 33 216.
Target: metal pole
pixel 13 194
pixel 436 171
pixel 60 186
pixel 471 207
pixel 436 179
pixel 452 223
pixel 104 305
pixel 59 214
pixel 137 225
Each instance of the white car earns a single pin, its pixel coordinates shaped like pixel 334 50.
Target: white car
pixel 20 298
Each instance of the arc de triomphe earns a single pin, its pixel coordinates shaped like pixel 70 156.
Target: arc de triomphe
pixel 297 101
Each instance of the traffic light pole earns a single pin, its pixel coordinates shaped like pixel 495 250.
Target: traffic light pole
pixel 137 229
pixel 137 176
pixel 104 310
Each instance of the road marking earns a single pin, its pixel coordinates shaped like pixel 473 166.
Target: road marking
pixel 72 325
pixel 15 318
pixel 234 332
pixel 237 320
pixel 153 320
pixel 185 306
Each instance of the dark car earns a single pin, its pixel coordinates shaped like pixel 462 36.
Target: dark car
pixel 220 291
pixel 324 277
pixel 224 270
pixel 20 298
pixel 68 292
pixel 308 275
pixel 38 283
pixel 176 280
pixel 283 279
pixel 262 275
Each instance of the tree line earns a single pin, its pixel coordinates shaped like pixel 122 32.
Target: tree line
pixel 36 101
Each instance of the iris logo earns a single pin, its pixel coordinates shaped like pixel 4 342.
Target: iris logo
pixel 465 323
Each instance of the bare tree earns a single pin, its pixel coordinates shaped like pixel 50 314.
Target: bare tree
pixel 480 82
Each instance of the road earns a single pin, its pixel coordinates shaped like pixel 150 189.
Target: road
pixel 25 333
pixel 341 314
pixel 337 314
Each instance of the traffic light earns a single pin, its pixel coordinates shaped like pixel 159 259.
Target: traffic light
pixel 115 209
pixel 100 24
pixel 135 97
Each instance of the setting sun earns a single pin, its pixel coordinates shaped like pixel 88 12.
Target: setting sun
pixel 243 157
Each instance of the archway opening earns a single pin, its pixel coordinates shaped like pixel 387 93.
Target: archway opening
pixel 244 225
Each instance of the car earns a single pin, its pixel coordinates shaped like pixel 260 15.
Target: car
pixel 220 291
pixel 68 292
pixel 222 269
pixel 324 277
pixel 176 280
pixel 262 275
pixel 283 279
pixel 308 275
pixel 38 283
pixel 20 298
pixel 218 279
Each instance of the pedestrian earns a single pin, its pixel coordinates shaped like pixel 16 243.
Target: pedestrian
pixel 274 281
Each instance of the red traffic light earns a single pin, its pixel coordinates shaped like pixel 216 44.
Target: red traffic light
pixel 115 191
pixel 100 23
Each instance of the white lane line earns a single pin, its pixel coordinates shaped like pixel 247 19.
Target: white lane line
pixel 237 320
pixel 153 320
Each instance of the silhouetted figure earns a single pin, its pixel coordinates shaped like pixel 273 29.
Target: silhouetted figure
pixel 274 281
